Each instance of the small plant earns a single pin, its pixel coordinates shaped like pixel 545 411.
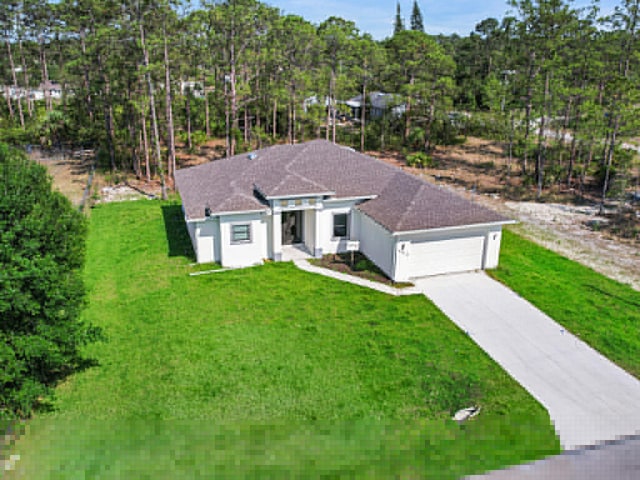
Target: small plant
pixel 362 265
pixel 420 159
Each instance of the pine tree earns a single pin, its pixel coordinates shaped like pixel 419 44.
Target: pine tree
pixel 416 17
pixel 398 25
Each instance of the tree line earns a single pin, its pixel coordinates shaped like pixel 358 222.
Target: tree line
pixel 557 84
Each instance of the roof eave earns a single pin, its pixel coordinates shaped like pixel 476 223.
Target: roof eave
pixel 455 227
pixel 356 197
pixel 299 195
pixel 229 212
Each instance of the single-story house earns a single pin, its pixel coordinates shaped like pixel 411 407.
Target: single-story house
pixel 329 199
pixel 378 103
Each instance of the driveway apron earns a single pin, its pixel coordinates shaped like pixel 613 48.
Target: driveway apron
pixel 588 397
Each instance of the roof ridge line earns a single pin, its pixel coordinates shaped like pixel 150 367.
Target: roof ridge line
pixel 293 160
pixel 412 204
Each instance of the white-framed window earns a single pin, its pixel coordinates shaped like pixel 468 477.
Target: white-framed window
pixel 340 225
pixel 241 233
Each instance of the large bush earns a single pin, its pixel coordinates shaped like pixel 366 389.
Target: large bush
pixel 42 240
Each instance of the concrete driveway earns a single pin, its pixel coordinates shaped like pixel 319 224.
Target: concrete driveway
pixel 589 398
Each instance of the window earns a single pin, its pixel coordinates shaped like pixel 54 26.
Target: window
pixel 341 225
pixel 241 233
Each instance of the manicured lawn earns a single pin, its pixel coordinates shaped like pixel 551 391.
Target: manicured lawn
pixel 603 312
pixel 267 371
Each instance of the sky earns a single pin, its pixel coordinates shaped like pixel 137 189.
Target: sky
pixel 377 16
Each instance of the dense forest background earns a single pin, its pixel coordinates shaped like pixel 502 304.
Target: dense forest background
pixel 134 79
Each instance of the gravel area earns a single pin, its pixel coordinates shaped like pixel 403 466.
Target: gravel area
pixel 563 229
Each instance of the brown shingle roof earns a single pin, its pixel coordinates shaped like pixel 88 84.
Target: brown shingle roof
pixel 404 202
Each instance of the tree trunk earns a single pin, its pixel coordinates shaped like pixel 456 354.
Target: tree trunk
pixel 227 126
pixel 609 162
pixel 427 133
pixel 511 132
pixel 45 75
pixel 145 138
pixel 7 96
pixel 328 107
pixel 333 107
pixel 15 86
pixel 171 141
pixel 234 97
pixel 541 140
pixel 275 117
pixel 293 118
pixel 407 113
pixel 107 109
pixel 141 149
pixel 187 105
pixel 154 118
pixel 26 79
pixel 87 83
pixel 573 148
pixel 207 122
pixel 246 125
pixel 528 108
pixel 363 107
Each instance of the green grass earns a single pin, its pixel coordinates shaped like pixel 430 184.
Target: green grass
pixel 603 312
pixel 267 371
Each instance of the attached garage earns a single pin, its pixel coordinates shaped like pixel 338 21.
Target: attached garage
pixel 447 251
pixel 433 257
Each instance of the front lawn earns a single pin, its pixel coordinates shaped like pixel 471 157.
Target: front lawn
pixel 601 311
pixel 267 371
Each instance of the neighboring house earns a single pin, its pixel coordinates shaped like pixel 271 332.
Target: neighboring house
pixel 54 89
pixel 244 209
pixel 378 104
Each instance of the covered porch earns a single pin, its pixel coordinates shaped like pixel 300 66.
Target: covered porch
pixel 295 233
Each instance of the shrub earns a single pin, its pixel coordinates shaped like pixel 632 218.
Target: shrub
pixel 41 290
pixel 420 159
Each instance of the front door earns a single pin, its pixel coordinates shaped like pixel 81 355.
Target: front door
pixel 291 227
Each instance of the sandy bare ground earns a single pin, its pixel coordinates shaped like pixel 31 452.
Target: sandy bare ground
pixel 69 171
pixel 563 229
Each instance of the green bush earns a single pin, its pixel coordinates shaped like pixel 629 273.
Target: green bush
pixel 41 291
pixel 420 159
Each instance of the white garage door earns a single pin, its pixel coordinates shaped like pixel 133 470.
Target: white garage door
pixel 445 256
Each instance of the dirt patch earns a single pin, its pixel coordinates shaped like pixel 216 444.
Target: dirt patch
pixel 69 169
pixel 211 150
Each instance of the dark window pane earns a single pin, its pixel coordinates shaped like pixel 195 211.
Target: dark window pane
pixel 241 233
pixel 340 222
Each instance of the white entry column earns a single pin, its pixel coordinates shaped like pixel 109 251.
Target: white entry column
pixel 277 235
pixel 317 230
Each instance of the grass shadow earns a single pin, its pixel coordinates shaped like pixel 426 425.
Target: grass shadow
pixel 618 298
pixel 178 241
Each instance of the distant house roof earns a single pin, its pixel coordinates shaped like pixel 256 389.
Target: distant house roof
pixel 397 200
pixel 378 100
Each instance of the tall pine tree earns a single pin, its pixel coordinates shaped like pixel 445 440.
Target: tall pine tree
pixel 416 17
pixel 398 25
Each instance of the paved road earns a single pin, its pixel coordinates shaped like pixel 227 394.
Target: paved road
pixel 589 398
pixel 617 461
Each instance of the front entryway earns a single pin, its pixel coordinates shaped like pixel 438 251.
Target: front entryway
pixel 292 227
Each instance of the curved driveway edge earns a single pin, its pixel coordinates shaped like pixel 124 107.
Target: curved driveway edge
pixel 589 398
